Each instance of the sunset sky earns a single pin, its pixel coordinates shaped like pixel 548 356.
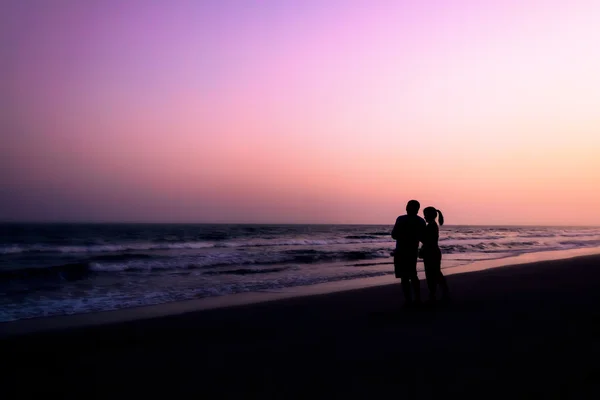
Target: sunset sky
pixel 308 111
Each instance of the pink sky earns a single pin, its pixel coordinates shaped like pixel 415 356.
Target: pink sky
pixel 300 111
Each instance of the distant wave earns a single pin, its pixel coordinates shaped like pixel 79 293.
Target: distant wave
pixel 579 243
pixel 453 237
pixel 67 271
pixel 449 237
pixel 537 235
pixel 227 260
pixel 105 248
pixel 246 271
pixel 71 271
pixel 486 247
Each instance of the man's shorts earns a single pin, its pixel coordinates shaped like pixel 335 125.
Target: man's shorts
pixel 405 264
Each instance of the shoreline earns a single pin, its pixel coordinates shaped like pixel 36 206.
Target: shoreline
pixel 86 320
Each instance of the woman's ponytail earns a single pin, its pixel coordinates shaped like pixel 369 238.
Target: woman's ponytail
pixel 440 218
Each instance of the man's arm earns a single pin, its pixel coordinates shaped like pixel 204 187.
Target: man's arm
pixel 395 230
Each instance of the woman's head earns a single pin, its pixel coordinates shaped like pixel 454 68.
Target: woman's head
pixel 431 213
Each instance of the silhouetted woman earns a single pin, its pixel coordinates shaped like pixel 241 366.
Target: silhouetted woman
pixel 432 255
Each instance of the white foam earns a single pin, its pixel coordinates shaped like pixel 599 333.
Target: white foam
pixel 11 249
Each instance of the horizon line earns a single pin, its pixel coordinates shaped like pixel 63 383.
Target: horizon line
pixel 271 223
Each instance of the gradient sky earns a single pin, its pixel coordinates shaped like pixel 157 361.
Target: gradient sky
pixel 319 111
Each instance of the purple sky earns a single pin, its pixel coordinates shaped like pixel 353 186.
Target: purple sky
pixel 299 111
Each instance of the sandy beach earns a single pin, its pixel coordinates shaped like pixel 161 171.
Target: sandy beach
pixel 519 331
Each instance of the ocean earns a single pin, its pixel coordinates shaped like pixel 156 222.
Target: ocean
pixel 58 269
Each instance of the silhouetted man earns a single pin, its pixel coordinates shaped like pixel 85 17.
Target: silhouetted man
pixel 407 232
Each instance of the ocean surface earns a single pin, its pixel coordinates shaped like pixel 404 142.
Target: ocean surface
pixel 56 269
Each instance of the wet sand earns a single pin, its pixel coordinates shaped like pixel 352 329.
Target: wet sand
pixel 520 331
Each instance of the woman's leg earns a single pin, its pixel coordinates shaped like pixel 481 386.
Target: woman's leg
pixel 431 276
pixel 441 279
pixel 443 284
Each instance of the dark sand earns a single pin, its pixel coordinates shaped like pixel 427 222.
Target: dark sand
pixel 523 331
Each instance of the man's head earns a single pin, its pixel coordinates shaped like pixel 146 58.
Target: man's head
pixel 412 207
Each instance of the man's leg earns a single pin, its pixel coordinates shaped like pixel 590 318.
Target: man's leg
pixel 411 270
pixel 401 271
pixel 416 285
pixel 405 282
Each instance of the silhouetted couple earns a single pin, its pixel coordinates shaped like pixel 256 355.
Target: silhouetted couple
pixel 409 231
